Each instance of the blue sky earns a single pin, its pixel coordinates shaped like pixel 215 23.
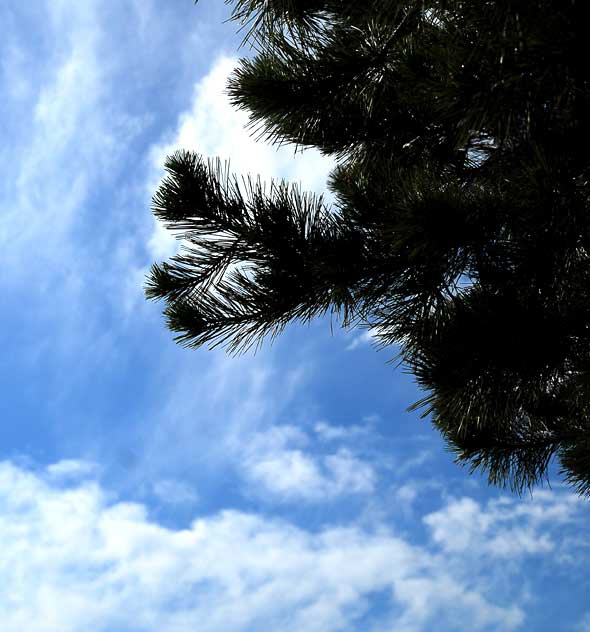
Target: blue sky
pixel 146 487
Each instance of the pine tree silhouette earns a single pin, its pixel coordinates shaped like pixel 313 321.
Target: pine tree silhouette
pixel 460 229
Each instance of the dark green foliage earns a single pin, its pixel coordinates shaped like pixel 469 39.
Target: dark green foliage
pixel 461 228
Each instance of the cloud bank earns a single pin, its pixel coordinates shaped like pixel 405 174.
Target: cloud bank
pixel 74 557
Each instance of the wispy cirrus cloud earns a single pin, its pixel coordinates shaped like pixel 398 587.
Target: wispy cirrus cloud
pixel 50 182
pixel 82 110
pixel 71 135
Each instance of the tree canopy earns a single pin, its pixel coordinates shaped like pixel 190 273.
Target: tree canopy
pixel 460 229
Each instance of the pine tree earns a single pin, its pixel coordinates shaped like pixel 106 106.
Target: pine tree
pixel 460 229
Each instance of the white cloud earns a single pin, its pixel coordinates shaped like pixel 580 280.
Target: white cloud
pixel 275 462
pixel 406 494
pixel 71 468
pixel 350 473
pixel 331 432
pixel 362 339
pixel 502 528
pixel 73 560
pixel 213 128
